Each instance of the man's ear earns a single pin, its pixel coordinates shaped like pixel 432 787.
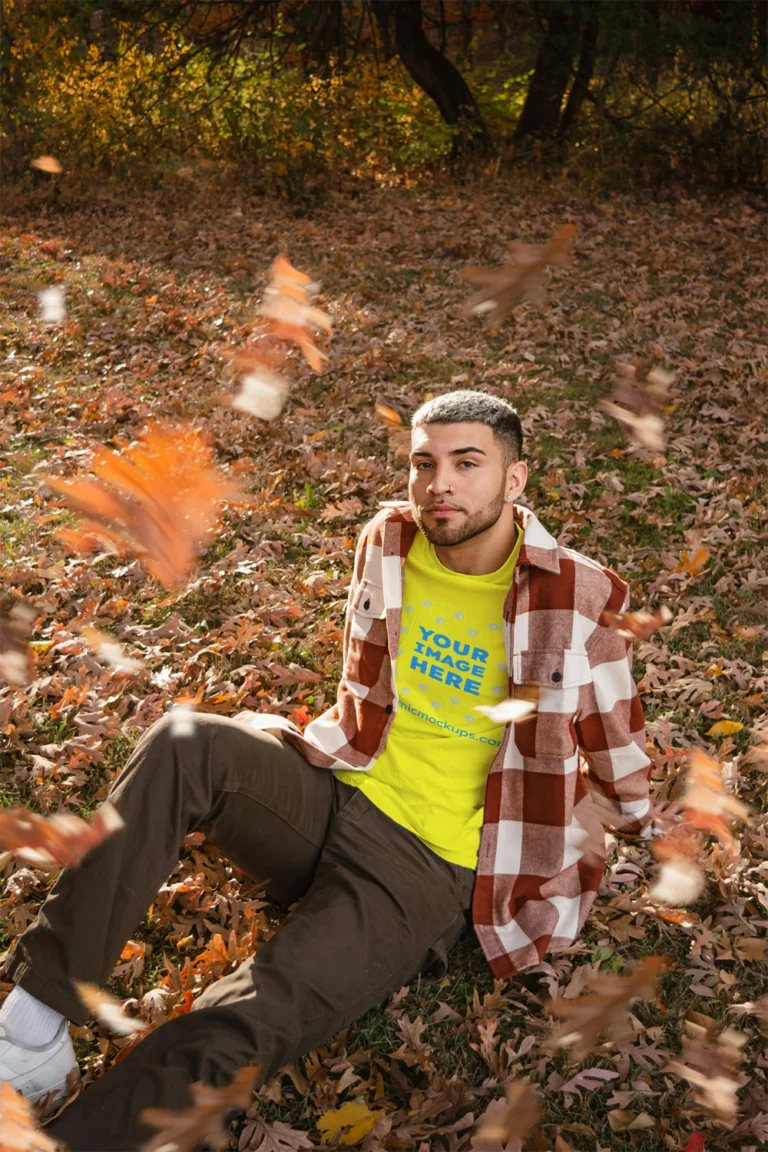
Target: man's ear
pixel 517 478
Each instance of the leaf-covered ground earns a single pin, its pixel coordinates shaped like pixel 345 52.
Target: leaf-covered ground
pixel 157 287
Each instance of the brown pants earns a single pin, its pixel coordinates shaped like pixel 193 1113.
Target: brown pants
pixel 376 908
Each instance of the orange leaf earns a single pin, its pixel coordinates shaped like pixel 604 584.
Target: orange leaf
pixel 55 841
pixel 693 565
pixel 18 1130
pixel 164 506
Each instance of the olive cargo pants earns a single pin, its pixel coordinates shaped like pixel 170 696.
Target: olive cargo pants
pixel 375 908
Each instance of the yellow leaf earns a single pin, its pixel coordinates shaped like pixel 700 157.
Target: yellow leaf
pixel 354 1121
pixel 725 728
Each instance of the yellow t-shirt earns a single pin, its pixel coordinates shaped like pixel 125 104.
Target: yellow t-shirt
pixel 432 772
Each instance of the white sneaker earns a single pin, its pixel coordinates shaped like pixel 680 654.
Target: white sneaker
pixel 34 1072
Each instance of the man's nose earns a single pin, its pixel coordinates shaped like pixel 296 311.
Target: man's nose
pixel 439 482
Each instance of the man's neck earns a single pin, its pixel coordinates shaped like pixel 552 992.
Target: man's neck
pixel 482 554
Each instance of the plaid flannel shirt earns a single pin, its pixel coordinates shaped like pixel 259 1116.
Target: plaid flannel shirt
pixel 534 887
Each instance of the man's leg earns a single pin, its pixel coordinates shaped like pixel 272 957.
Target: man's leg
pixel 380 908
pixel 256 798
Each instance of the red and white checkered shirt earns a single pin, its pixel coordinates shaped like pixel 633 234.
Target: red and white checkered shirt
pixel 533 889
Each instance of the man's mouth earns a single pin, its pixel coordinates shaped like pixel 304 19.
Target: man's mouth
pixel 442 511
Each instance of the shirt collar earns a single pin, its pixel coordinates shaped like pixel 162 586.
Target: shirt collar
pixel 539 548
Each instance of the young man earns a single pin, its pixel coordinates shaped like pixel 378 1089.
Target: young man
pixel 433 815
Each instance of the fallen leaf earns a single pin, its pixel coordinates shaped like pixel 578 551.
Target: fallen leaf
pixel 348 1125
pixel 725 728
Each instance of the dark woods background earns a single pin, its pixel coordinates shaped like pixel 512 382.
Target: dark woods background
pixel 299 96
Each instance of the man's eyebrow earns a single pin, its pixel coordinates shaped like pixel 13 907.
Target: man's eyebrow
pixel 454 452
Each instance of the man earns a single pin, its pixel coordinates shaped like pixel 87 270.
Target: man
pixel 433 814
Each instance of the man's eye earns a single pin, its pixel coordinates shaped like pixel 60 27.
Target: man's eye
pixel 470 463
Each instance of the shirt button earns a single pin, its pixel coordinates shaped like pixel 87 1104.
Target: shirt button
pixel 367 605
pixel 557 676
pixel 388 708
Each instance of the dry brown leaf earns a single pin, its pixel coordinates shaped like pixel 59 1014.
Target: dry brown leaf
pixel 636 625
pixel 204 1120
pixel 55 841
pixel 107 1010
pixel 18 1130
pixel 637 402
pixel 520 278
pixel 507 1120
pixel 164 504
pixel 606 1011
pixel 710 1056
pixel 16 620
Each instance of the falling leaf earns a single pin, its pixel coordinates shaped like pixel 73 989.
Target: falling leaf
pixel 710 1056
pixel 164 506
pixel 108 649
pixel 107 1010
pixel 508 711
pixel 521 278
pixel 16 620
pixel 263 394
pixel 636 625
pixel 693 565
pixel 707 805
pixel 637 402
pixel 47 164
pixel 204 1121
pixel 606 1011
pixel 507 1120
pixel 55 841
pixel 289 312
pixel 679 881
pixel 182 720
pixel 348 1125
pixel 725 728
pixel 18 1130
pixel 389 415
pixel 52 308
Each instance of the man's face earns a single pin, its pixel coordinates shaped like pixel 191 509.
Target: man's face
pixel 457 482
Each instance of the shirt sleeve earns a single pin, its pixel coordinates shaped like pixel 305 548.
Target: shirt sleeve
pixel 611 728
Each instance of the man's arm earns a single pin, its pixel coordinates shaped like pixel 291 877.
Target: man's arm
pixel 611 729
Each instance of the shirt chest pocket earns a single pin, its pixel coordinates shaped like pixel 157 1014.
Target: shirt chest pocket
pixel 553 678
pixel 367 651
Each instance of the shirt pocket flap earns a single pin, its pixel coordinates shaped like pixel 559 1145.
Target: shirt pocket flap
pixel 369 601
pixel 551 668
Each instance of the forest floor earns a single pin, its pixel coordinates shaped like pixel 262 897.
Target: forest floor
pixel 158 285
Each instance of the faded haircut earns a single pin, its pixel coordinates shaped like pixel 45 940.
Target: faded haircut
pixel 466 405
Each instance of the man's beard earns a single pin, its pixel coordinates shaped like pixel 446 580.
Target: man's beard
pixel 446 533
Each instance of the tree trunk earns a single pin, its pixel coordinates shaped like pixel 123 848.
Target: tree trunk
pixel 383 15
pixel 436 75
pixel 325 36
pixel 541 112
pixel 586 67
